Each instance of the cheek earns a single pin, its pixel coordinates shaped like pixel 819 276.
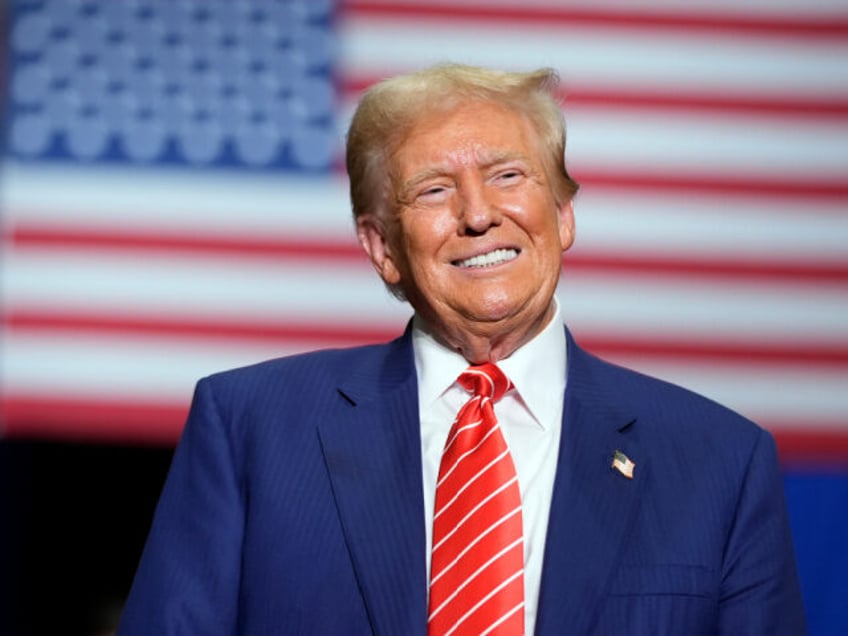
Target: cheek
pixel 436 225
pixel 427 232
pixel 531 207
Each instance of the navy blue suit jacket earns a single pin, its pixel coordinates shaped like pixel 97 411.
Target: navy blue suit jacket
pixel 294 506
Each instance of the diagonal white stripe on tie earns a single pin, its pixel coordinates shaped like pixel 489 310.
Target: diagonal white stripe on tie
pixel 475 509
pixel 474 575
pixel 477 540
pixel 483 601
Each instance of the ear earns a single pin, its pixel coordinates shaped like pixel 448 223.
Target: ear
pixel 566 223
pixel 372 237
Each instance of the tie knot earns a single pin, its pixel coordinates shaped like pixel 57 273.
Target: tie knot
pixel 486 380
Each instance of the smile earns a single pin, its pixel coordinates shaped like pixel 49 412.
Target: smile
pixel 495 257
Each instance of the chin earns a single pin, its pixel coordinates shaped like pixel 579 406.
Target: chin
pixel 495 309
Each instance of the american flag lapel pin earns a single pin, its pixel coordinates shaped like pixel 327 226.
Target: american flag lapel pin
pixel 623 464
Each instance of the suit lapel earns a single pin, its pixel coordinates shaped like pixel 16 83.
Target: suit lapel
pixel 593 504
pixel 373 455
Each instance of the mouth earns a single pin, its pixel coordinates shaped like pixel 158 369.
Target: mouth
pixel 495 257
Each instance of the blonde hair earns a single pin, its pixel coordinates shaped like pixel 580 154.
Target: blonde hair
pixel 389 109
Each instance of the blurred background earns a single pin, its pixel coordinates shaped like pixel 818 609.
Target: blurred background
pixel 174 203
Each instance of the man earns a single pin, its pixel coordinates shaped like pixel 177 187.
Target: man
pixel 339 492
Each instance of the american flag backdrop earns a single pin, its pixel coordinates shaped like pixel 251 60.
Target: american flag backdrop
pixel 173 202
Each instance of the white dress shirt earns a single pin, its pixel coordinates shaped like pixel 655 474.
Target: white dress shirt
pixel 531 420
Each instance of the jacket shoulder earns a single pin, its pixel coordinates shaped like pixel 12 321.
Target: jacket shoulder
pixel 303 373
pixel 665 408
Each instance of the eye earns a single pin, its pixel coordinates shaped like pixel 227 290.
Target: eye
pixel 509 176
pixel 435 193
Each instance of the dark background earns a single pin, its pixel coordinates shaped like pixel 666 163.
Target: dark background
pixel 73 519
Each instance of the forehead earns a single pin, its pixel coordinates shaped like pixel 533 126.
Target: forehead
pixel 470 133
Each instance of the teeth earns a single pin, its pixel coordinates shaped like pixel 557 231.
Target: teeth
pixel 492 258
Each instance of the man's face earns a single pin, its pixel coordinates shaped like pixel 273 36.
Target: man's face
pixel 476 237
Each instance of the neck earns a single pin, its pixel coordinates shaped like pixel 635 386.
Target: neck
pixel 490 342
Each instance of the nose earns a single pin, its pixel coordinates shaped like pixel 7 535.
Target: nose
pixel 477 212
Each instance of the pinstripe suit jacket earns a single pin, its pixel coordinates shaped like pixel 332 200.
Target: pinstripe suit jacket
pixel 294 506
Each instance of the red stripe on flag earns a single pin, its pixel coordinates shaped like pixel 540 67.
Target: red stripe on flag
pixel 829 354
pixel 714 102
pixel 794 26
pixel 135 422
pixel 800 444
pixel 337 334
pixel 99 420
pixel 144 241
pixel 691 267
pixel 793 105
pixel 705 184
pixel 301 249
pixel 826 354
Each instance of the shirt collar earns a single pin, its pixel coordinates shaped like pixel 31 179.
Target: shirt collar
pixel 536 369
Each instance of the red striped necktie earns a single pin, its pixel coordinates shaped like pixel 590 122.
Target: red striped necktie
pixel 477 569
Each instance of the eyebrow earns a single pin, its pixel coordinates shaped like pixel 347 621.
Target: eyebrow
pixel 422 176
pixel 488 159
pixel 502 156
